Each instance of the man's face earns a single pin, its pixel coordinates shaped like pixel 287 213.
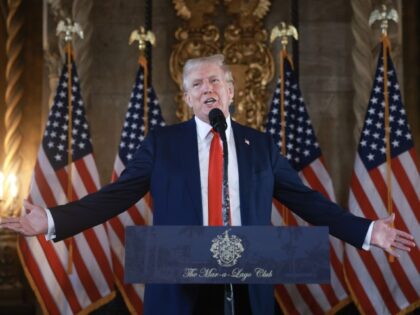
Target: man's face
pixel 207 88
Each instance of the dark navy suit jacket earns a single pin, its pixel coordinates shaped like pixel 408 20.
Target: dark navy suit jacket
pixel 167 165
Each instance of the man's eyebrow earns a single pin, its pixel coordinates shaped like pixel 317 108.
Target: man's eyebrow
pixel 196 81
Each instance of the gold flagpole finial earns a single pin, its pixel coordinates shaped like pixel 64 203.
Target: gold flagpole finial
pixel 142 37
pixel 384 15
pixel 69 28
pixel 283 31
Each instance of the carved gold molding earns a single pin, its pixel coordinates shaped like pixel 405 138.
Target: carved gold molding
pixel 244 47
pixel 197 37
pixel 252 63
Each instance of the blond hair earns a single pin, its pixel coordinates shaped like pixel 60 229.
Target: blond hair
pixel 217 59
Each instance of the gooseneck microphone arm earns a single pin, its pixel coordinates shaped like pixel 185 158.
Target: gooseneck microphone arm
pixel 218 122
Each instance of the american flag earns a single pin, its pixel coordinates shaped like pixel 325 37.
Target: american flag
pixel 304 154
pixel 45 263
pixel 378 285
pixel 132 135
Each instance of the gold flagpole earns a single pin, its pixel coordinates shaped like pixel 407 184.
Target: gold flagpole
pixel 143 63
pixel 283 32
pixel 384 15
pixel 143 37
pixel 69 148
pixel 385 47
pixel 283 54
pixel 69 28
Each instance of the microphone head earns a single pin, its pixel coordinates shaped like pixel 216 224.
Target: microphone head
pixel 217 120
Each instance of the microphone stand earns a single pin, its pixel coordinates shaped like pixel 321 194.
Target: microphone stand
pixel 229 305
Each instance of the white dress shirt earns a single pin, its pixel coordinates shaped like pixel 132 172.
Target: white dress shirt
pixel 204 138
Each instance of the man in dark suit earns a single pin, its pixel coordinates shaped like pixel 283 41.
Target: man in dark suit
pixel 173 164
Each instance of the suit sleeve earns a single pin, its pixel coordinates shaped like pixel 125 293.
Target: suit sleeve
pixel 109 201
pixel 312 206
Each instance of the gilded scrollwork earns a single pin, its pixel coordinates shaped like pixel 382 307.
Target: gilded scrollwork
pixel 195 12
pixel 247 12
pixel 244 47
pixel 252 62
pixel 197 37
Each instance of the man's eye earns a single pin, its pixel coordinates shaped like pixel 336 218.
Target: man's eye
pixel 215 80
pixel 195 84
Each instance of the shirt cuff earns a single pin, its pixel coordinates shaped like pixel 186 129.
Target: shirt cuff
pixel 366 243
pixel 51 226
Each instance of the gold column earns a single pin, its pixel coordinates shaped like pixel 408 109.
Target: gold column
pixel 11 288
pixel 13 100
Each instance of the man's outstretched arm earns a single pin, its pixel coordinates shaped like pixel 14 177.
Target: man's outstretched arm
pixel 35 222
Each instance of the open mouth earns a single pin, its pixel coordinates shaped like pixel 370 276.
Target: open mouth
pixel 210 101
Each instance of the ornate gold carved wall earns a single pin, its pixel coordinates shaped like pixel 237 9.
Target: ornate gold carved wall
pixel 244 45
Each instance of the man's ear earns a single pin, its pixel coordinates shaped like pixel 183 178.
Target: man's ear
pixel 187 99
pixel 231 90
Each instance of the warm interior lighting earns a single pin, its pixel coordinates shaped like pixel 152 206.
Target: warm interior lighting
pixel 1 186
pixel 13 185
pixel 9 191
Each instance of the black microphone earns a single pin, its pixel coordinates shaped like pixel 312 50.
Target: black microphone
pixel 218 121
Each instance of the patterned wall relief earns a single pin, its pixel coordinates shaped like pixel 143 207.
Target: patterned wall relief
pixel 198 36
pixel 244 45
pixel 247 51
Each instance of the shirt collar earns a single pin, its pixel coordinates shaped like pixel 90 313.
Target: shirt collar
pixel 204 128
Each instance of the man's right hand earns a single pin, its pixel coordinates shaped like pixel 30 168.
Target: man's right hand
pixel 34 222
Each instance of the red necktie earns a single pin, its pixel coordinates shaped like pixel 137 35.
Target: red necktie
pixel 215 178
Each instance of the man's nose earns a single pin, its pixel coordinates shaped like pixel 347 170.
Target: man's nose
pixel 207 86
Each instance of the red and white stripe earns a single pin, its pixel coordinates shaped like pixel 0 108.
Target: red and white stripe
pixel 139 214
pixel 378 285
pixel 314 298
pixel 90 285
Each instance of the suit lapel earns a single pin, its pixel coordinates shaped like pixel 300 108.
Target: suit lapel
pixel 243 153
pixel 192 168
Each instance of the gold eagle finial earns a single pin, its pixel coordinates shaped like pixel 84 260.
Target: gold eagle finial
pixel 384 15
pixel 284 31
pixel 69 28
pixel 142 37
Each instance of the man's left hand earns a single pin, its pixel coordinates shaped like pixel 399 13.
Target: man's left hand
pixel 388 238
